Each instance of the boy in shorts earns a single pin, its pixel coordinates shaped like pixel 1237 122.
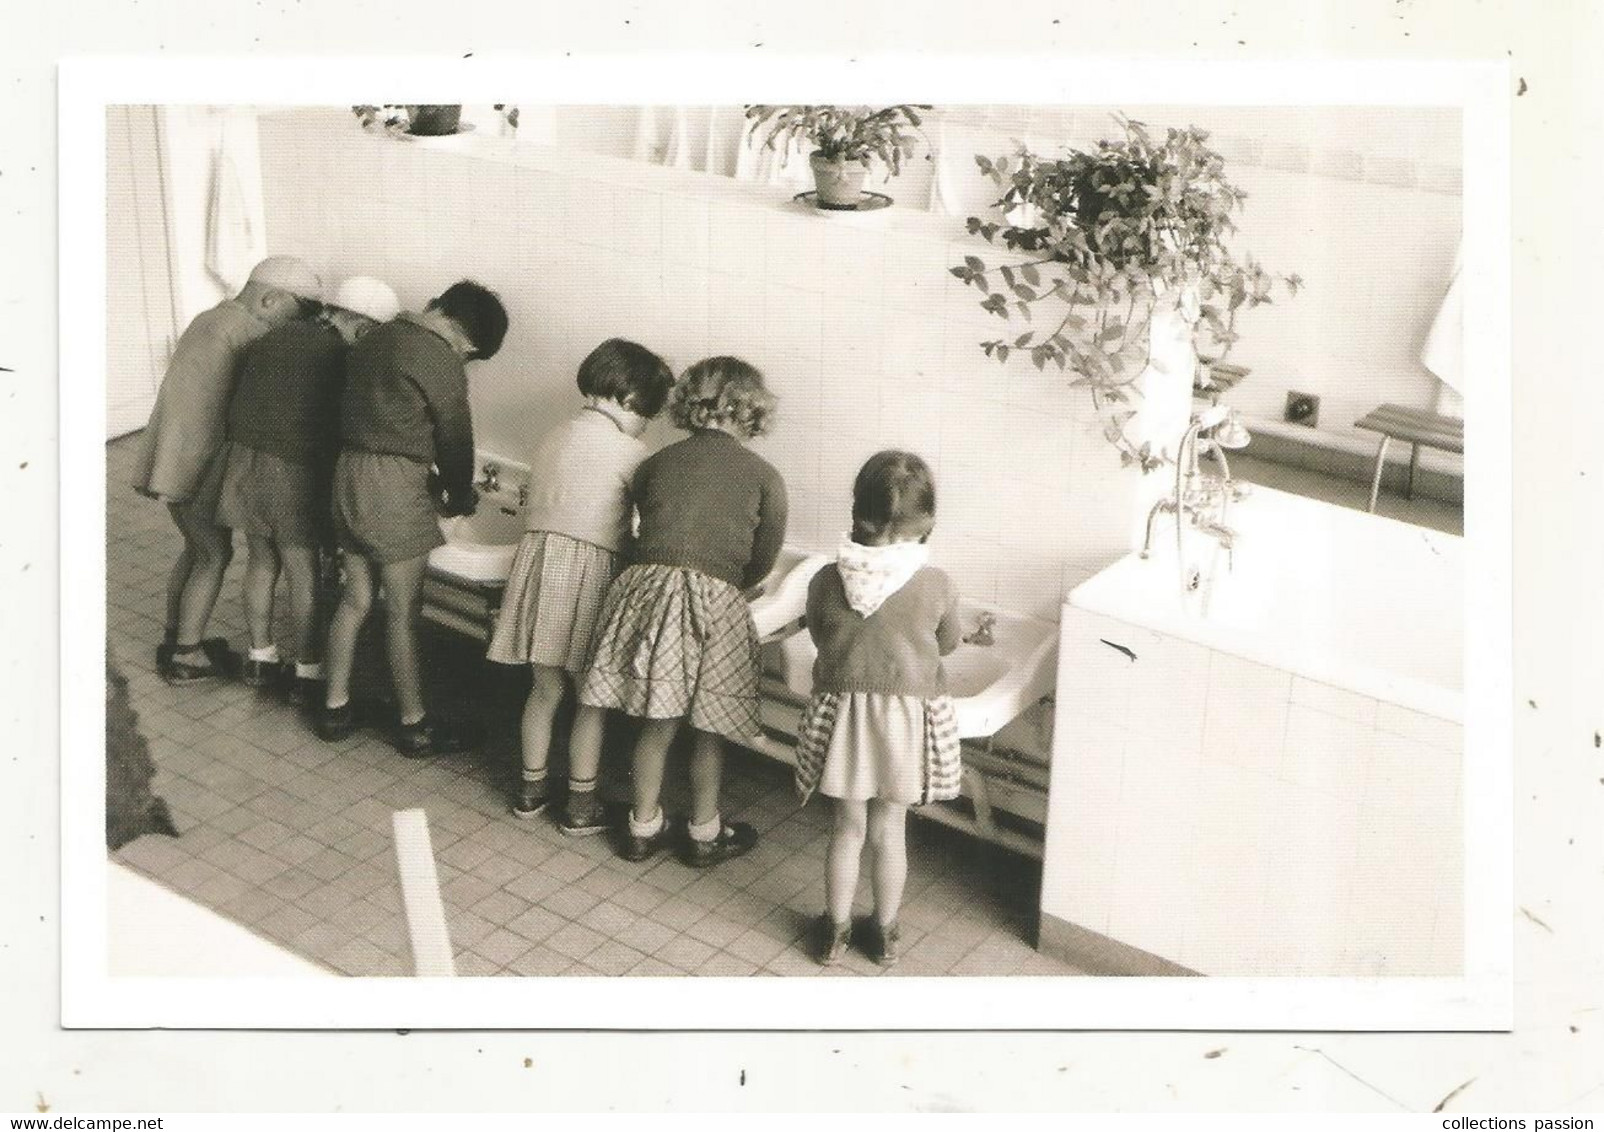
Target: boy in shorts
pixel 283 438
pixel 180 465
pixel 405 408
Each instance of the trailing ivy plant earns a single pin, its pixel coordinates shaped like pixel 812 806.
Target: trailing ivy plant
pixel 1099 240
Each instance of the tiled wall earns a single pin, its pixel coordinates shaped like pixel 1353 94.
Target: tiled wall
pixel 866 338
pixel 1240 820
pixel 1363 202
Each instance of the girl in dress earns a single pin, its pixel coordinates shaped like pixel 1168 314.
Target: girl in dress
pixel 879 734
pixel 677 642
pixel 579 525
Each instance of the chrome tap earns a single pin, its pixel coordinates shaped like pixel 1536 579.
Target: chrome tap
pixel 489 477
pixel 1203 501
pixel 983 635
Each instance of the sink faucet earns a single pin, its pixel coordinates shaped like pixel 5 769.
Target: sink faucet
pixel 1199 500
pixel 983 635
pixel 490 477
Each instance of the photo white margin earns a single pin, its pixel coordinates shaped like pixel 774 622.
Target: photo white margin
pixel 1482 999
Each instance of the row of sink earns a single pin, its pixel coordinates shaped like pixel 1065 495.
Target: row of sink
pixel 990 683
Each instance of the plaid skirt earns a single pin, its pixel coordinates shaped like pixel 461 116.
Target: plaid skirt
pixel 862 745
pixel 553 602
pixel 674 644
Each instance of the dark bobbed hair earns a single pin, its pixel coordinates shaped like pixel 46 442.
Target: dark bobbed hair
pixel 628 373
pixel 893 499
pixel 723 392
pixel 478 311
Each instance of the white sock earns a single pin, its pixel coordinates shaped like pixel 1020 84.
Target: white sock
pixel 708 830
pixel 269 654
pixel 651 827
pixel 309 671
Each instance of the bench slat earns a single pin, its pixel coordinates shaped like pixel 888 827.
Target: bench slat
pixel 1416 426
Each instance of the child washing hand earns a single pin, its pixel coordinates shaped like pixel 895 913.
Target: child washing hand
pixel 879 734
pixel 579 523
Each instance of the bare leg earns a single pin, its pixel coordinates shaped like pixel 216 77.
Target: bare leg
pixel 707 775
pixel 585 744
pixel 888 835
pixel 209 549
pixel 547 685
pixel 846 851
pixel 300 574
pixel 403 598
pixel 177 578
pixel 261 579
pixel 646 767
pixel 356 601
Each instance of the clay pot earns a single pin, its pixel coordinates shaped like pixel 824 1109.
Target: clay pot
pixel 840 183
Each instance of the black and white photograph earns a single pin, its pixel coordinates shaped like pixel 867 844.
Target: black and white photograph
pixel 1005 544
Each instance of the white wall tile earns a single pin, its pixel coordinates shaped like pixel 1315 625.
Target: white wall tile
pixel 1334 701
pixel 685 228
pixel 1245 721
pixel 1442 733
pixel 1326 753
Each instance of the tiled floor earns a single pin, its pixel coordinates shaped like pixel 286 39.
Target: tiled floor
pixel 290 836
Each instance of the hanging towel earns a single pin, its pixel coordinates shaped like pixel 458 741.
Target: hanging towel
pixel 1444 351
pixel 231 244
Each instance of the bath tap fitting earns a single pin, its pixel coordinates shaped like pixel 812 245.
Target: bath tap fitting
pixel 983 635
pixel 490 477
pixel 1201 500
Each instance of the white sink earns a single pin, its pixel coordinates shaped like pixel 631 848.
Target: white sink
pixel 785 591
pixel 479 547
pixel 990 685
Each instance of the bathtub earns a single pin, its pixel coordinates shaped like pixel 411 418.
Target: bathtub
pixel 1257 753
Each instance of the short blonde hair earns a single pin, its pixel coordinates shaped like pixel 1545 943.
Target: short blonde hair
pixel 725 393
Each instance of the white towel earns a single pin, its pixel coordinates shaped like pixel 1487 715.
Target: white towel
pixel 1444 351
pixel 231 243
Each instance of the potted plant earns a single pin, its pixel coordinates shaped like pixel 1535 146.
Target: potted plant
pixel 846 140
pixel 425 120
pixel 1109 236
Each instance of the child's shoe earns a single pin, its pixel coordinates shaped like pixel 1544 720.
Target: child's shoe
pixel 884 942
pixel 189 666
pixel 532 799
pixel 269 675
pixel 427 738
pixel 224 659
pixel 582 816
pixel 733 840
pixel 336 723
pixel 830 940
pixel 634 847
pixel 303 691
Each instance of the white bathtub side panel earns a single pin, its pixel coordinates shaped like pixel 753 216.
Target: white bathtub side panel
pixel 1238 820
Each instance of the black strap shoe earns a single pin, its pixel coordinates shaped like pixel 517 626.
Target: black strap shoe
pixel 269 675
pixel 426 738
pixel 633 848
pixel 188 666
pixel 336 723
pixel 735 839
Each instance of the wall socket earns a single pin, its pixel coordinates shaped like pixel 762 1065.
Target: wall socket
pixel 1303 409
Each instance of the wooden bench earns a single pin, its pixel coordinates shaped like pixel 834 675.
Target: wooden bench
pixel 1415 427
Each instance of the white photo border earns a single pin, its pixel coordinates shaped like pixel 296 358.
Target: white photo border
pixel 1482 999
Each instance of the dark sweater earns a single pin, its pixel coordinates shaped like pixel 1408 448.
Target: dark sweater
pixel 406 394
pixel 711 504
pixel 287 393
pixel 897 649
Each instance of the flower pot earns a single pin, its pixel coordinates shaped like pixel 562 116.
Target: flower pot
pixel 434 121
pixel 840 183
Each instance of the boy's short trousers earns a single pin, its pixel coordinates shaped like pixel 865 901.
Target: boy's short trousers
pixel 200 508
pixel 382 506
pixel 268 496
